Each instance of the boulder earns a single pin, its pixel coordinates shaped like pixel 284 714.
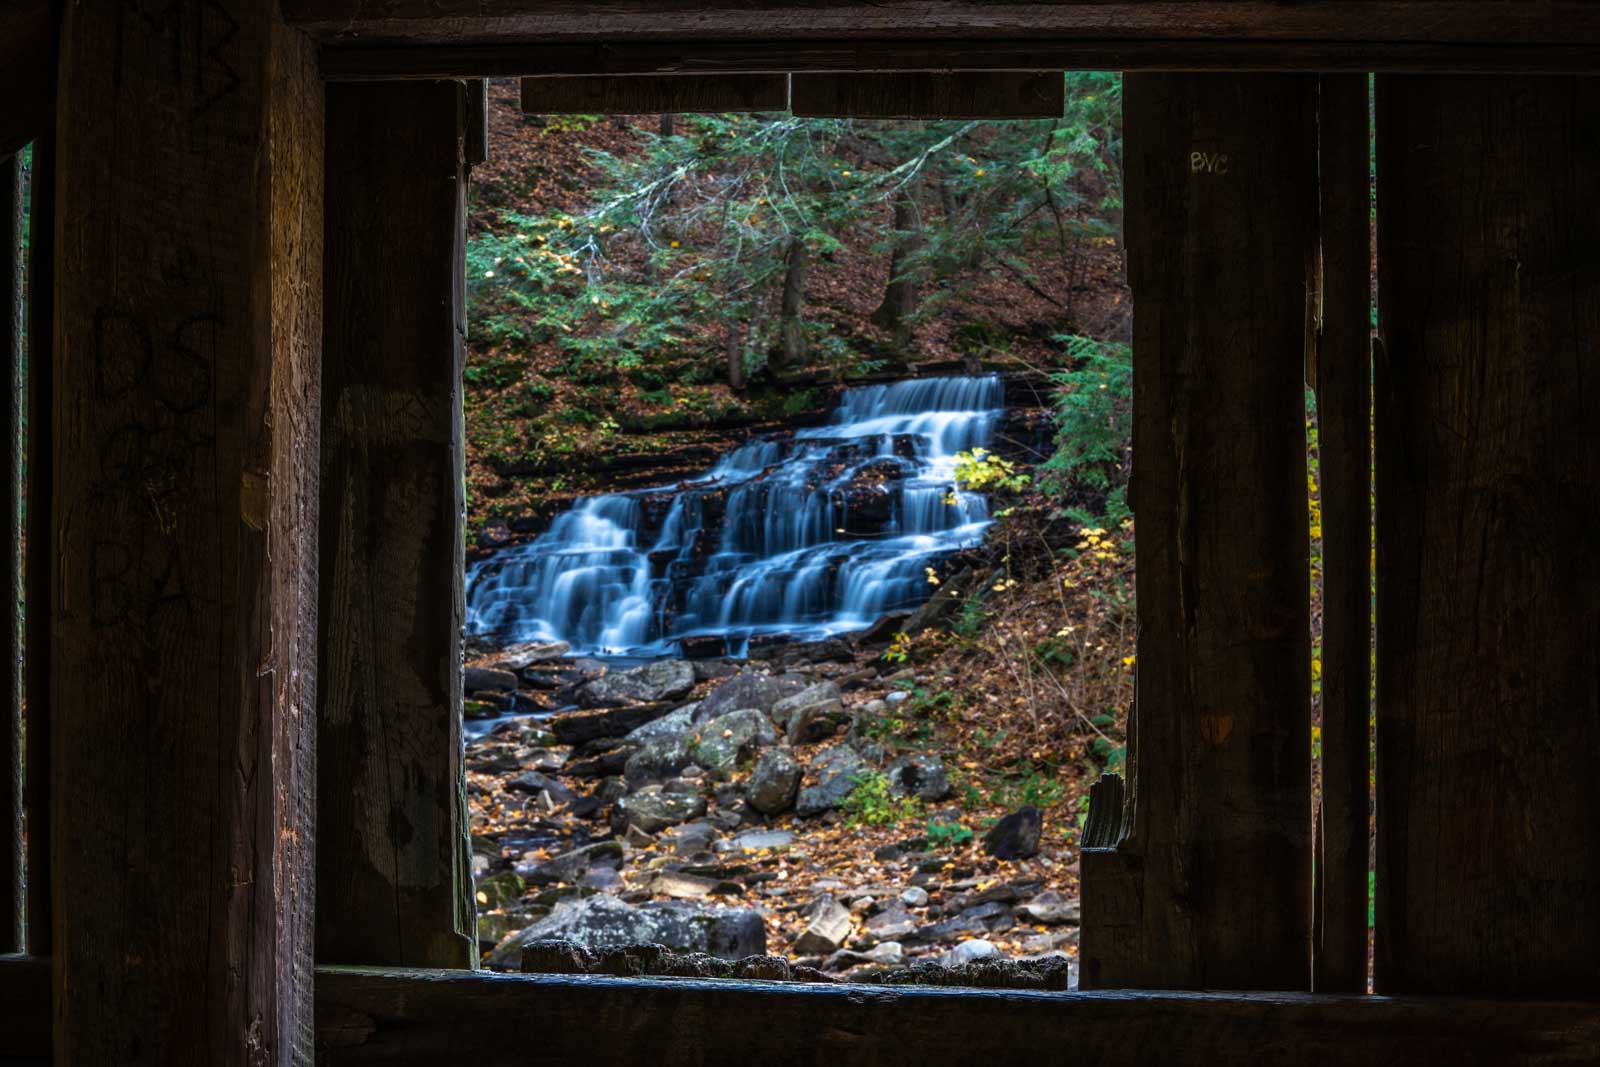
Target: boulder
pixel 535 783
pixel 816 722
pixel 748 689
pixel 602 765
pixel 675 722
pixel 755 841
pixel 570 867
pixel 578 727
pixel 915 897
pixel 823 693
pixel 529 653
pixel 603 796
pixel 658 760
pixel 603 922
pixel 666 679
pixel 1051 909
pixel 969 952
pixel 891 923
pixel 837 769
pixel 498 890
pixel 827 929
pixel 720 743
pixel 774 783
pixel 704 646
pixel 923 777
pixel 1015 837
pixel 882 632
pixel 487 679
pixel 652 812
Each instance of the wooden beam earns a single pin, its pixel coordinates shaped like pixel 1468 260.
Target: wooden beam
pixel 644 95
pixel 24 1008
pixel 27 72
pixel 426 1018
pixel 1488 455
pixel 350 60
pixel 39 568
pixel 961 21
pixel 477 143
pixel 12 333
pixel 1344 425
pixel 184 513
pixel 1215 869
pixel 928 95
pixel 393 866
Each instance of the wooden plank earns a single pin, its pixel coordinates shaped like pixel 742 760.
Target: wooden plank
pixel 24 1008
pixel 184 514
pixel 1488 454
pixel 1220 172
pixel 962 21
pixel 519 57
pixel 651 95
pixel 12 327
pixel 477 143
pixel 1344 425
pixel 39 567
pixel 427 1018
pixel 930 95
pixel 27 72
pixel 393 875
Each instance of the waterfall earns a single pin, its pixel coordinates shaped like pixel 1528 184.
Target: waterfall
pixel 810 534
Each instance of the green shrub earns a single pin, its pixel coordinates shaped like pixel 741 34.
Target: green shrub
pixel 871 803
pixel 1093 418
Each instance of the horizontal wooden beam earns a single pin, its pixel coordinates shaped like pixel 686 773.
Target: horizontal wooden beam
pixel 24 1008
pixel 27 72
pixel 1353 21
pixel 930 94
pixel 655 94
pixel 356 60
pixel 429 1017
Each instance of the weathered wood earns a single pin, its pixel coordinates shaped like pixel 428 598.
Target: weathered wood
pixel 930 95
pixel 477 133
pixel 423 1018
pixel 647 95
pixel 1488 455
pixel 184 514
pixel 520 57
pixel 24 1008
pixel 393 877
pixel 963 21
pixel 1221 190
pixel 12 327
pixel 39 566
pixel 27 72
pixel 1344 426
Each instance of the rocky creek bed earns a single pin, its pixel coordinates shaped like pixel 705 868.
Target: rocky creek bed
pixel 705 806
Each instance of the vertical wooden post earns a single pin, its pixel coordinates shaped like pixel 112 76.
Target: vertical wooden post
pixel 11 348
pixel 1211 886
pixel 1488 463
pixel 188 329
pixel 39 566
pixel 394 883
pixel 1344 420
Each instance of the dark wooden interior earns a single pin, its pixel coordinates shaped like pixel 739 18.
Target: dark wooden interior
pixel 244 434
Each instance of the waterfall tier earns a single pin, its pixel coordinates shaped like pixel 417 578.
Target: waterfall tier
pixel 810 534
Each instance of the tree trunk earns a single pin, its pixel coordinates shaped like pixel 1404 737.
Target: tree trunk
pixel 668 124
pixel 735 344
pixel 791 330
pixel 900 296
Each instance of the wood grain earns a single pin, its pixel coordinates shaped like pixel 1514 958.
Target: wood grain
pixel 1220 172
pixel 393 884
pixel 477 131
pixel 1488 455
pixel 930 95
pixel 184 512
pixel 647 95
pixel 12 334
pixel 562 21
pixel 398 1019
pixel 1344 426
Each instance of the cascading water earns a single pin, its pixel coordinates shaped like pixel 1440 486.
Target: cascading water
pixel 808 535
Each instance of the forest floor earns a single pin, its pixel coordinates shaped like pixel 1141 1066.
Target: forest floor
pixel 1009 694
